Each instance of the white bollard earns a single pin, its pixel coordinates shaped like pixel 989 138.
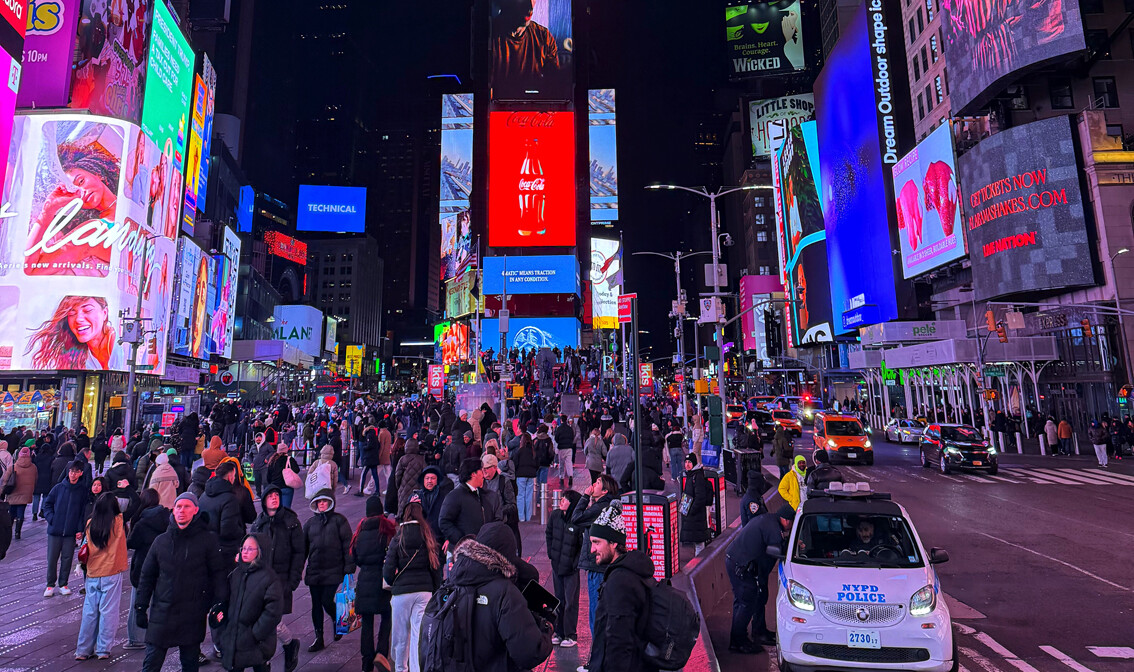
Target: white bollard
pixel 1043 444
pixel 1019 443
pixel 1075 438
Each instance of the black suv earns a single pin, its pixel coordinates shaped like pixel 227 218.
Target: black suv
pixel 949 447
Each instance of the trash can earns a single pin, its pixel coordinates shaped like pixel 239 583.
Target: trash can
pixel 737 463
pixel 659 516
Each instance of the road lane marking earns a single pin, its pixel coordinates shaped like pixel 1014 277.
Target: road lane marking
pixel 1065 659
pixel 1043 479
pixel 1008 656
pixel 1125 652
pixel 858 474
pixel 984 663
pixel 1004 479
pixel 1084 478
pixel 1065 564
pixel 1113 477
pixel 959 609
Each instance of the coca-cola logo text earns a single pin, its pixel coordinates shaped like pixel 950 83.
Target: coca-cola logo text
pixel 531 120
pixel 532 185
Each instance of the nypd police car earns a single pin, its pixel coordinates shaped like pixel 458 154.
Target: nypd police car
pixel 858 590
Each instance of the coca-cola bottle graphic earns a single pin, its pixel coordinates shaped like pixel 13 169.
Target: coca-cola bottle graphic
pixel 532 192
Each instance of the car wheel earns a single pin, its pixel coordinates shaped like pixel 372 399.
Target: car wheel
pixel 944 465
pixel 783 664
pixel 956 659
pixel 994 470
pixel 924 460
pixel 870 459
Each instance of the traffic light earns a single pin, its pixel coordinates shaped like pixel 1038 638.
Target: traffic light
pixel 990 319
pixel 716 421
pixel 1088 331
pixel 1002 333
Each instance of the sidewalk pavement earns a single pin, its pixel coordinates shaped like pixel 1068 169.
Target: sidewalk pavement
pixel 38 633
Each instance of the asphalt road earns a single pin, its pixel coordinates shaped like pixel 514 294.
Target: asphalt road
pixel 1041 570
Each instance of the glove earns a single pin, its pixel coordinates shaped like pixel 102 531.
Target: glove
pixel 141 619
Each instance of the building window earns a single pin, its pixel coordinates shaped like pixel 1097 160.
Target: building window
pixel 928 98
pixel 758 219
pixel 1061 94
pixel 916 69
pixel 920 21
pixel 1097 43
pixel 761 236
pixel 937 89
pixel 346 270
pixel 933 47
pixel 1092 6
pixel 920 107
pixel 913 35
pixel 924 60
pixel 765 270
pixel 1106 92
pixel 758 201
pixel 1115 131
pixel 329 270
pixel 929 9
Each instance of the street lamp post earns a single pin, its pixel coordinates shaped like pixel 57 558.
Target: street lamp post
pixel 722 383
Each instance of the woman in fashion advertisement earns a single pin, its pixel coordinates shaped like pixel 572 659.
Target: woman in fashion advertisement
pixel 200 310
pixel 78 335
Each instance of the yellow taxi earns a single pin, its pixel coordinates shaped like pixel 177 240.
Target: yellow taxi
pixel 843 437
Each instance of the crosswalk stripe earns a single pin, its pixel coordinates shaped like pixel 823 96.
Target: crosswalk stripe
pixel 1008 656
pixel 1065 659
pixel 1004 479
pixel 1079 477
pixel 1043 479
pixel 1114 477
pixel 982 662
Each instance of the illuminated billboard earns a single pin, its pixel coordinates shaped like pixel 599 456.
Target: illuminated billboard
pixel 764 38
pixel 331 209
pixel 286 247
pixel 48 50
pixel 194 301
pixel 793 109
pixel 10 70
pixel 804 238
pixel 542 274
pixel 331 335
pixel 456 183
pixel 854 202
pixel 165 113
pixel 224 308
pixel 990 45
pixel 455 343
pixel 602 126
pixel 300 327
pixel 532 50
pixel 929 221
pixel 200 132
pixel 1024 214
pixel 531 179
pixel 533 332
pixel 109 74
pixel 606 282
pixel 756 294
pixel 459 298
pixel 354 356
pixel 77 247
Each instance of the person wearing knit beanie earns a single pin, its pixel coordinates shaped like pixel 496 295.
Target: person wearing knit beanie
pixel 609 526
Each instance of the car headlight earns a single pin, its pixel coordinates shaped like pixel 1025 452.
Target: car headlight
pixel 801 598
pixel 923 601
pixel 992 450
pixel 950 450
pixel 831 443
pixel 867 444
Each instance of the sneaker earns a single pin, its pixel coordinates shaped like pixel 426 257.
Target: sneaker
pixel 568 643
pixel 346 489
pixel 64 591
pixel 49 591
pixel 131 646
pixel 555 640
pixel 103 656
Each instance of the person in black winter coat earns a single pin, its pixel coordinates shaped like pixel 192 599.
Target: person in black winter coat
pixel 64 457
pixel 435 488
pixel 43 459
pixel 696 496
pixel 225 517
pixel 752 503
pixel 469 506
pixel 247 627
pixel 623 599
pixel 651 473
pixel 564 546
pixel 505 635
pixel 368 549
pixel 151 520
pixel 413 572
pixel 499 538
pixel 121 470
pixel 182 578
pixel 199 480
pixel 327 538
pixel 822 472
pixel 66 509
pixel 282 540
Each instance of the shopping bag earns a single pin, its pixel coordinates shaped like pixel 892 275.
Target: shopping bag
pixel 346 620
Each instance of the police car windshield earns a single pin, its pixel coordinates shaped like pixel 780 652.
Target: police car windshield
pixel 867 540
pixel 960 434
pixel 844 428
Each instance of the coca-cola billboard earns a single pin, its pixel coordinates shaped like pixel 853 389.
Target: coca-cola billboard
pixel 78 241
pixel 531 179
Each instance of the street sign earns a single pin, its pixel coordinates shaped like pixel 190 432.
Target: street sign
pixel 722 275
pixel 232 395
pixel 711 310
pixel 145 367
pixel 993 371
pixel 624 307
pixel 167 419
pixel 646 377
pixel 677 308
pixel 437 381
pixel 226 378
pixel 506 378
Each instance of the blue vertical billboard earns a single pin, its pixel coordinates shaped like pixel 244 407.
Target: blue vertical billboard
pixel 854 196
pixel 602 125
pixel 456 183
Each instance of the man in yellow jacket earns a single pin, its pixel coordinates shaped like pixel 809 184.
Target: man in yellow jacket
pixel 791 485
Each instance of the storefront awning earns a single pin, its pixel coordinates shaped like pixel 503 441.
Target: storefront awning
pixel 271 352
pixel 965 351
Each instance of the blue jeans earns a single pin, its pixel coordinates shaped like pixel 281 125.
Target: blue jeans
pixel 676 463
pixel 100 615
pixel 525 487
pixel 1065 446
pixel 594 582
pixel 37 503
pixel 542 474
pixel 286 495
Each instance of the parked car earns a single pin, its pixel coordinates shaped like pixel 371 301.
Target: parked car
pixel 904 431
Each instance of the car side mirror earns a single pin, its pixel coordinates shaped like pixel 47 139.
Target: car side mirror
pixel 775 551
pixel 938 556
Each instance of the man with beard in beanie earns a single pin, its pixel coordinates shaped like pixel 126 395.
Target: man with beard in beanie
pixel 435 488
pixel 469 506
pixel 624 599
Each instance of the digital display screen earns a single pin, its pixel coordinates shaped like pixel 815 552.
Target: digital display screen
pixel 200 133
pixel 533 332
pixel 165 115
pixel 109 74
pixel 286 247
pixel 193 307
pixel 1023 209
pixel 331 335
pixel 988 45
pixel 300 327
pixel 855 212
pixel 764 38
pixel 224 308
pixel 531 179
pixel 455 343
pixel 533 50
pixel 756 293
pixel 459 298
pixel 929 221
pixel 48 50
pixel 77 246
pixel 794 110
pixel 545 274
pixel 602 125
pixel 606 282
pixel 331 209
pixel 457 125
